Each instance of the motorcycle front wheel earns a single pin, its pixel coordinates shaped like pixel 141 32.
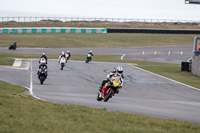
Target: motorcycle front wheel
pixel 41 79
pixel 62 65
pixel 108 96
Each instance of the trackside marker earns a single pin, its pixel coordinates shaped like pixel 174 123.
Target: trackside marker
pixel 169 53
pixel 143 53
pixel 155 53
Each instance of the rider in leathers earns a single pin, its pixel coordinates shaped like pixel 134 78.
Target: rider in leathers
pixel 69 55
pixel 61 55
pixel 44 56
pixel 42 65
pixel 116 73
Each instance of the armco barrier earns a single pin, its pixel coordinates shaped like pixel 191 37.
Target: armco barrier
pixel 156 31
pixel 52 30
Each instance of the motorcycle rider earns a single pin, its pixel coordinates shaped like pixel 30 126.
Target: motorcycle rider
pixel 43 56
pixel 115 73
pixel 61 55
pixel 13 46
pixel 90 52
pixel 69 55
pixel 42 65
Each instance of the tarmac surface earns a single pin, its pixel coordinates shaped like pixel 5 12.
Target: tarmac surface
pixel 142 93
pixel 130 53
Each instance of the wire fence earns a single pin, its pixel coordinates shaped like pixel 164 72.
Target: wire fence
pixel 69 19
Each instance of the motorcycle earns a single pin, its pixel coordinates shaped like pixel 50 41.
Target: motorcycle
pixel 13 46
pixel 42 74
pixel 109 89
pixel 62 62
pixel 88 58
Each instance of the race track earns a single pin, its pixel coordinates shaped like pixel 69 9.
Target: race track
pixel 130 53
pixel 142 93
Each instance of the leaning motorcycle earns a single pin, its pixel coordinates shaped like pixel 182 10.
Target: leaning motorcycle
pixel 62 62
pixel 88 58
pixel 109 89
pixel 13 46
pixel 42 74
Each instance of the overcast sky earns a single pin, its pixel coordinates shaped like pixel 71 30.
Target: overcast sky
pixel 142 9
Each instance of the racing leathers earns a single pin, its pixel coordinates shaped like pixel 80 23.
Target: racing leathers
pixel 60 56
pixel 68 55
pixel 90 52
pixel 109 76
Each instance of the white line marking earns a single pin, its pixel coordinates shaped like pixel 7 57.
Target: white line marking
pixel 167 78
pixel 123 56
pixel 31 84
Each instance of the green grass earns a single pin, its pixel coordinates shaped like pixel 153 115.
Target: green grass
pixel 175 73
pixel 6 61
pixel 64 40
pixel 24 114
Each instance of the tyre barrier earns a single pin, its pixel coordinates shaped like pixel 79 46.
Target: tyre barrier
pixel 52 30
pixel 186 66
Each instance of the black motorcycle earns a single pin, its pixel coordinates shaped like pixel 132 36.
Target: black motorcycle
pixel 13 46
pixel 88 58
pixel 42 74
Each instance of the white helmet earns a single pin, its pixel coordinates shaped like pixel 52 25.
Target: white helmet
pixel 62 52
pixel 43 53
pixel 43 60
pixel 120 69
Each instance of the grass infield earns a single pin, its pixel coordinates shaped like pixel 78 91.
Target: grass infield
pixel 65 40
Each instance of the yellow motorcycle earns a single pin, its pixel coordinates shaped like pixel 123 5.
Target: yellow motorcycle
pixel 109 89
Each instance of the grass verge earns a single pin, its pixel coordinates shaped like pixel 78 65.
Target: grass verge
pixel 64 40
pixel 6 61
pixel 22 113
